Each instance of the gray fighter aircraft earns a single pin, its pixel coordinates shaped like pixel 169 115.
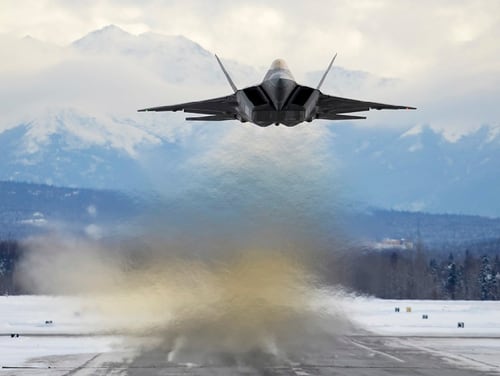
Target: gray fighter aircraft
pixel 277 100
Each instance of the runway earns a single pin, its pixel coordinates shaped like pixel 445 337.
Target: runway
pixel 347 355
pixel 80 342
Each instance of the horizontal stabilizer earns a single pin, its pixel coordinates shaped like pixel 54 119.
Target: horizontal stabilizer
pixel 212 118
pixel 339 117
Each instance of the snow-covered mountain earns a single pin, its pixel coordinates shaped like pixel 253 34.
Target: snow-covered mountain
pixel 173 58
pixel 421 170
pixel 73 122
pixel 67 148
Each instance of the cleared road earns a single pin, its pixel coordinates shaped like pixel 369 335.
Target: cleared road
pixel 347 355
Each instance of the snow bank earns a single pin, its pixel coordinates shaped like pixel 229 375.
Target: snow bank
pixel 480 318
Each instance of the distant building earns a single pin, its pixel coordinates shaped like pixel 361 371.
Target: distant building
pixel 388 243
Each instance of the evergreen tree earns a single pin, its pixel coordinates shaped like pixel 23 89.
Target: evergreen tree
pixel 472 267
pixel 9 255
pixel 460 288
pixel 486 279
pixel 422 274
pixel 452 277
pixel 496 273
pixel 497 264
pixel 434 272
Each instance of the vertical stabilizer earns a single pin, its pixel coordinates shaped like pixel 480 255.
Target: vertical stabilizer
pixel 325 74
pixel 226 74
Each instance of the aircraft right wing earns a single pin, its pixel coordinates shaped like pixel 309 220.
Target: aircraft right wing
pixel 222 108
pixel 329 107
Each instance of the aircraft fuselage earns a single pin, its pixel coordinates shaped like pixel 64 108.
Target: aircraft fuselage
pixel 277 100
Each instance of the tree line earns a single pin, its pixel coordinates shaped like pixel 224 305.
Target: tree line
pixel 417 273
pixel 10 252
pixel 421 274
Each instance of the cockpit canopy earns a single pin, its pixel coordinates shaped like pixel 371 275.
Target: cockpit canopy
pixel 279 69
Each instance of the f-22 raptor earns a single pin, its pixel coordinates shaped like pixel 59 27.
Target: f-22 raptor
pixel 277 100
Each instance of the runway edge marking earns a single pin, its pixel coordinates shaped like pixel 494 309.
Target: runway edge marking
pixel 458 358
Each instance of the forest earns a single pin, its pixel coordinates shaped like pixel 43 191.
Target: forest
pixel 417 273
pixel 422 274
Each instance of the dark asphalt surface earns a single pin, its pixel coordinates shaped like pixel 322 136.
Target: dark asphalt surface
pixel 347 355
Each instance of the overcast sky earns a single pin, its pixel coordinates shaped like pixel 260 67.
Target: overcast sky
pixel 448 50
pixel 386 37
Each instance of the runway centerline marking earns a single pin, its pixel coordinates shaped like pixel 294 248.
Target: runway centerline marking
pixel 377 351
pixel 299 372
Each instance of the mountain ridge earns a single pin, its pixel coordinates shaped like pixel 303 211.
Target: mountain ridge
pixel 73 143
pixel 27 209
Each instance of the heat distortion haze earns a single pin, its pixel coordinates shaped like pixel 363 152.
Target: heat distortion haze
pixel 252 307
pixel 228 271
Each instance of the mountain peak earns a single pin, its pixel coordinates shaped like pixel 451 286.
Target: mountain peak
pixel 101 39
pixel 111 28
pixel 108 30
pixel 112 38
pixel 29 38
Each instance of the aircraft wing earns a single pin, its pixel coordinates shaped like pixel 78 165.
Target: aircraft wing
pixel 222 108
pixel 329 106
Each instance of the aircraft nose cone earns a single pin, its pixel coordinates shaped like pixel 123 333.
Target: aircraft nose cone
pixel 279 64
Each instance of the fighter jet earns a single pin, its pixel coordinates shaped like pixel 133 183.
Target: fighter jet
pixel 277 100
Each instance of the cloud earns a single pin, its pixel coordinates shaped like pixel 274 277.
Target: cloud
pixel 442 55
pixel 386 37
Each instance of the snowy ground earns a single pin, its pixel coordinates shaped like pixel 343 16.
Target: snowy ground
pixel 77 330
pixel 480 318
pixel 70 329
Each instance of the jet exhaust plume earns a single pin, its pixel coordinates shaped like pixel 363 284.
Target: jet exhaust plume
pixel 229 265
pixel 233 307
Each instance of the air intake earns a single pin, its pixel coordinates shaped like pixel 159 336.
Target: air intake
pixel 255 95
pixel 301 95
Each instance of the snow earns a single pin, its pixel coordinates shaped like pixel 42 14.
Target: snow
pixel 27 314
pixel 480 318
pixel 71 315
pixel 414 131
pixel 77 329
pixel 81 131
pixel 16 351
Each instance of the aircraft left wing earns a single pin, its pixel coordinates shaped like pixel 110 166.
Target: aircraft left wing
pixel 222 108
pixel 329 105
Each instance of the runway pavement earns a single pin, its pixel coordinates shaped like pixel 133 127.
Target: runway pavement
pixel 346 355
